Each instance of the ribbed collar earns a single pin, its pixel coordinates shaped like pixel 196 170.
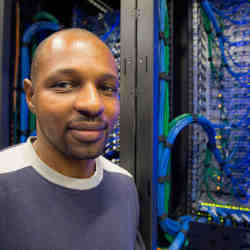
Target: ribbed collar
pixel 58 178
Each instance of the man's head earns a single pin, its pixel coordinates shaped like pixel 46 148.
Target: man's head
pixel 73 92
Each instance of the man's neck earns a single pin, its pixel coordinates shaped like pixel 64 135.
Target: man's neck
pixel 58 162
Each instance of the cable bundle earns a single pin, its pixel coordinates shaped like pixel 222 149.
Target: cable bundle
pixel 232 102
pixel 214 173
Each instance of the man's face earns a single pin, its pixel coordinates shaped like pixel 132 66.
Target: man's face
pixel 76 96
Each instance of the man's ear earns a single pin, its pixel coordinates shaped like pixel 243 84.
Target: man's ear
pixel 29 91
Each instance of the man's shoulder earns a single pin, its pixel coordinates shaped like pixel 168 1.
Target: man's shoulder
pixel 118 178
pixel 113 168
pixel 11 158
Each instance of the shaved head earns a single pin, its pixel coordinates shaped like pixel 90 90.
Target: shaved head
pixel 58 40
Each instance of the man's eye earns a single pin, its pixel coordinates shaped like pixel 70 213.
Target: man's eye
pixel 63 85
pixel 109 89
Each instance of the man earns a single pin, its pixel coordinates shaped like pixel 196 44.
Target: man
pixel 56 191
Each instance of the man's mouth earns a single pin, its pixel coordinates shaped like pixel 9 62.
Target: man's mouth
pixel 87 131
pixel 90 126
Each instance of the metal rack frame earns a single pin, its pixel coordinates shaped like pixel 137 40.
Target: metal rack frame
pixel 5 62
pixel 139 122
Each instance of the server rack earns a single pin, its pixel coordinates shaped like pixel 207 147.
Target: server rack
pixel 138 124
pixel 146 117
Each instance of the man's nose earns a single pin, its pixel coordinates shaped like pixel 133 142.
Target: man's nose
pixel 88 101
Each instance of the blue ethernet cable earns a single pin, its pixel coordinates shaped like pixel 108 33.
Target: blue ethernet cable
pixel 25 68
pixel 167 224
pixel 221 14
pixel 116 24
pixel 171 226
pixel 235 9
pixel 206 6
pixel 162 69
pixel 180 238
pixel 238 76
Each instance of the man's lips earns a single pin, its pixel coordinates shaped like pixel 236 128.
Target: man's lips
pixel 88 126
pixel 87 131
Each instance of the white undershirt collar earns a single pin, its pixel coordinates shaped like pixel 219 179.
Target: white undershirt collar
pixel 60 179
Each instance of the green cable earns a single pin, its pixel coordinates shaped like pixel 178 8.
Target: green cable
pixel 43 15
pixel 167 187
pixel 167 62
pixel 167 124
pixel 177 119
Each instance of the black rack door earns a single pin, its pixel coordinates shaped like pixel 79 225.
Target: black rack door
pixel 5 61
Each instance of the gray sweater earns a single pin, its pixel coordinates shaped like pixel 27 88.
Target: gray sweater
pixel 42 209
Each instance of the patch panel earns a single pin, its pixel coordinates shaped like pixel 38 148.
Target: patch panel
pixel 226 104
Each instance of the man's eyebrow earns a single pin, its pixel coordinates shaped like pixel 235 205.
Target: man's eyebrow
pixel 108 76
pixel 61 72
pixel 69 71
pixel 66 71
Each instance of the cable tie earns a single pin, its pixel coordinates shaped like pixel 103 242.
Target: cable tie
pixel 162 138
pixel 162 217
pixel 195 117
pixel 163 37
pixel 25 44
pixel 166 144
pixel 164 76
pixel 184 231
pixel 163 179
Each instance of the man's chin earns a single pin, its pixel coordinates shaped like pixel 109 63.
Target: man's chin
pixel 84 150
pixel 85 154
pixel 84 157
